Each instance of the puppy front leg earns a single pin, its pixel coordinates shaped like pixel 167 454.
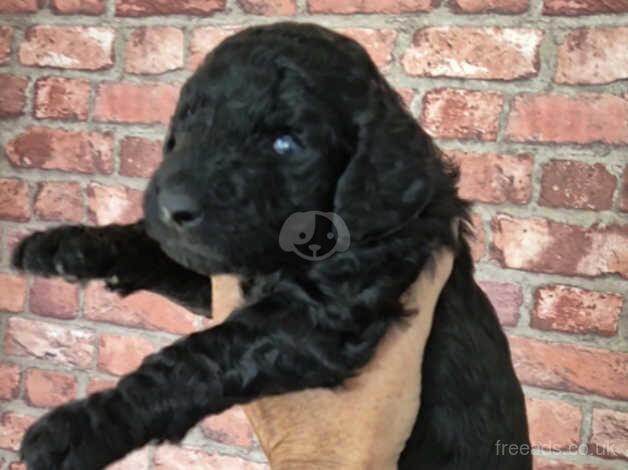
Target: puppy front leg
pixel 123 255
pixel 270 347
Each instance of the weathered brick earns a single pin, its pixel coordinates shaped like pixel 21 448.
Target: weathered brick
pixel 575 310
pixel 478 237
pixel 578 185
pixel 269 7
pixel 566 367
pixel 78 7
pixel 541 245
pixel 58 149
pixel 507 299
pixel 379 43
pixel 586 118
pixel 494 178
pixel 19 6
pixel 583 7
pixel 153 50
pixel 369 6
pixel 121 354
pixel 97 385
pixel 12 429
pixel 169 457
pixel 132 103
pixel 205 39
pixel 54 298
pixel 168 7
pixel 140 310
pixel 609 434
pixel 461 114
pixel 59 201
pixel 54 343
pixel 113 204
pixel 490 6
pixel 483 53
pixel 137 460
pixel 12 95
pixel 231 428
pixel 554 425
pixel 407 95
pixel 593 56
pixel 6 37
pixel 623 203
pixel 46 388
pixel 68 47
pixel 10 383
pixel 543 464
pixel 13 288
pixel 14 200
pixel 139 157
pixel 61 98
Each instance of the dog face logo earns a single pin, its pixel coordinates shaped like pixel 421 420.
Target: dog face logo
pixel 314 235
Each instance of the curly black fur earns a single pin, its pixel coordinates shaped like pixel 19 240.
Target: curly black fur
pixel 357 152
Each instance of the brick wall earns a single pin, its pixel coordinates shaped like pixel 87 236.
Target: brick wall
pixel 529 96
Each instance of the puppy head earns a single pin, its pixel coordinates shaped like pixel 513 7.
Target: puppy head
pixel 280 120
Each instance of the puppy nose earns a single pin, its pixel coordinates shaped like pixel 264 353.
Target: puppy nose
pixel 178 208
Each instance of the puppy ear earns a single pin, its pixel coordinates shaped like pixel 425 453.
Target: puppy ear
pixel 386 183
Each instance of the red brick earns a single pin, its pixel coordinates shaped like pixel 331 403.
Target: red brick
pixel 609 434
pixel 75 7
pixel 58 149
pixel 369 6
pixel 68 47
pixel 623 203
pixel 6 37
pixel 98 385
pixel 169 457
pixel 543 464
pixel 584 119
pixel 575 310
pixel 494 178
pixel 61 98
pixel 484 53
pixel 139 157
pixel 45 388
pixel 507 299
pixel 461 114
pixel 490 6
pixel 153 50
pixel 50 342
pixel 478 237
pixel 13 290
pixel 269 7
pixel 407 95
pixel 593 56
pixel 132 103
pixel 140 310
pixel 119 355
pixel 583 7
pixel 10 383
pixel 205 39
pixel 231 428
pixel 137 460
pixel 113 204
pixel 19 6
pixel 59 201
pixel 554 425
pixel 567 183
pixel 54 298
pixel 14 200
pixel 566 367
pixel 379 43
pixel 12 429
pixel 541 245
pixel 12 95
pixel 168 7
pixel 17 466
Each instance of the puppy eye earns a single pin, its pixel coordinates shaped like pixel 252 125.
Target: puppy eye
pixel 285 144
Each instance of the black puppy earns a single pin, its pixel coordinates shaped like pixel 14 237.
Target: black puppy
pixel 284 119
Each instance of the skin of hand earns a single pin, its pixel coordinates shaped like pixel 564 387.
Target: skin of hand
pixel 364 424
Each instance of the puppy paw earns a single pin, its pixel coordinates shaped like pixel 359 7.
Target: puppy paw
pixel 72 252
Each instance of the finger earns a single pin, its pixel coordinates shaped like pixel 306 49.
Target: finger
pixel 226 296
